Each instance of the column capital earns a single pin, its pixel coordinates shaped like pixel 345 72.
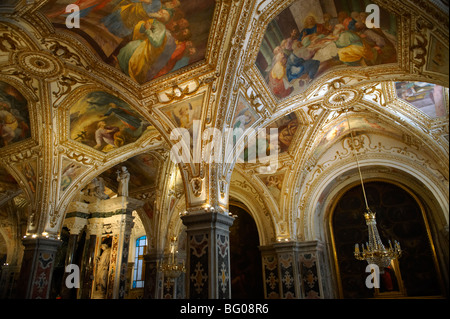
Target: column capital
pixel 201 219
pixel 41 243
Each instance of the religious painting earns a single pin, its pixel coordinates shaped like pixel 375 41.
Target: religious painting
pixel 427 97
pixel 438 57
pixel 312 37
pixel 70 171
pixel 143 169
pixel 274 184
pixel 244 115
pixel 28 170
pixel 286 128
pixel 243 118
pixel 340 129
pixel 183 114
pixel 145 39
pixel 105 122
pixel 14 116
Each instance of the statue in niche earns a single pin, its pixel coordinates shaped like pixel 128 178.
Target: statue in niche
pixel 123 177
pixel 101 274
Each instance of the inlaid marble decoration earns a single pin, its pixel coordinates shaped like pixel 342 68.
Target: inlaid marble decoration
pixel 271 281
pixel 223 247
pixel 310 276
pixel 198 286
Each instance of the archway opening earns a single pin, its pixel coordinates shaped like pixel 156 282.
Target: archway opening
pixel 245 258
pixel 399 217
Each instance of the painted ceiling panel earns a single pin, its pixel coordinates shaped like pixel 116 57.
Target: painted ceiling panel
pixel 311 38
pixel 145 39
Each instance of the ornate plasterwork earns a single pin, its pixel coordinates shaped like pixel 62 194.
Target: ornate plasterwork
pixel 53 68
pixel 372 149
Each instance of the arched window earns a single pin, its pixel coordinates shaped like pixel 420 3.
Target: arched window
pixel 141 249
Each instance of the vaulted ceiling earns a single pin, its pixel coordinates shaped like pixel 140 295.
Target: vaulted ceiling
pixel 86 98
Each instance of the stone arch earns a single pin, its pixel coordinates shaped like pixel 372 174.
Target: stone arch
pixel 242 191
pixel 422 216
pixel 410 177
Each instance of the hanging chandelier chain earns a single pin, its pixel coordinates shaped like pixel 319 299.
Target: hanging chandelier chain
pixel 374 252
pixel 354 152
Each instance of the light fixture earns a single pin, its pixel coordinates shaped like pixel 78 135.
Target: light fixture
pixel 172 269
pixel 374 251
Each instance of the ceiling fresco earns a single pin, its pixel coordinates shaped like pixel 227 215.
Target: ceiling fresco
pixel 143 169
pixel 312 37
pixel 427 97
pixel 286 129
pixel 341 129
pixel 145 39
pixel 7 181
pixel 105 122
pixel 14 117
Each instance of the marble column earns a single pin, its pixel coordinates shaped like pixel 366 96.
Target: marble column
pixel 295 270
pixel 153 277
pixel 315 271
pixel 37 267
pixel 208 254
pixel 280 271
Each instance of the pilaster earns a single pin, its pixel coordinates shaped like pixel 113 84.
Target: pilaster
pixel 153 277
pixel 295 270
pixel 37 267
pixel 208 254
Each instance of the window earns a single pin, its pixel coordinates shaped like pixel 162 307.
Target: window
pixel 141 249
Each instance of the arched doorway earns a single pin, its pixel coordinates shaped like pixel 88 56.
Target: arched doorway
pixel 399 217
pixel 245 258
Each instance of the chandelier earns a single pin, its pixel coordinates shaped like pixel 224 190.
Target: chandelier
pixel 374 251
pixel 172 269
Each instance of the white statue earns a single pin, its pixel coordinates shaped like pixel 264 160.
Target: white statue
pixel 101 275
pixel 123 177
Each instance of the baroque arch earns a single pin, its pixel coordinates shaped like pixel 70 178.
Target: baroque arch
pixel 232 78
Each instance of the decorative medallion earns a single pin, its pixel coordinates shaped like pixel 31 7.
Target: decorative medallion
pixel 335 100
pixel 38 64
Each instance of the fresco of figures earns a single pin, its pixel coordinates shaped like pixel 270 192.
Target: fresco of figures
pixel 105 122
pixel 143 169
pixel 286 128
pixel 312 37
pixel 14 117
pixel 145 39
pixel 427 97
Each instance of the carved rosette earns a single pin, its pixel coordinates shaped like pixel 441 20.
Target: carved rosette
pixel 40 65
pixel 336 100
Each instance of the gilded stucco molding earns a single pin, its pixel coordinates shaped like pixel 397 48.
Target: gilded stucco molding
pixel 376 151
